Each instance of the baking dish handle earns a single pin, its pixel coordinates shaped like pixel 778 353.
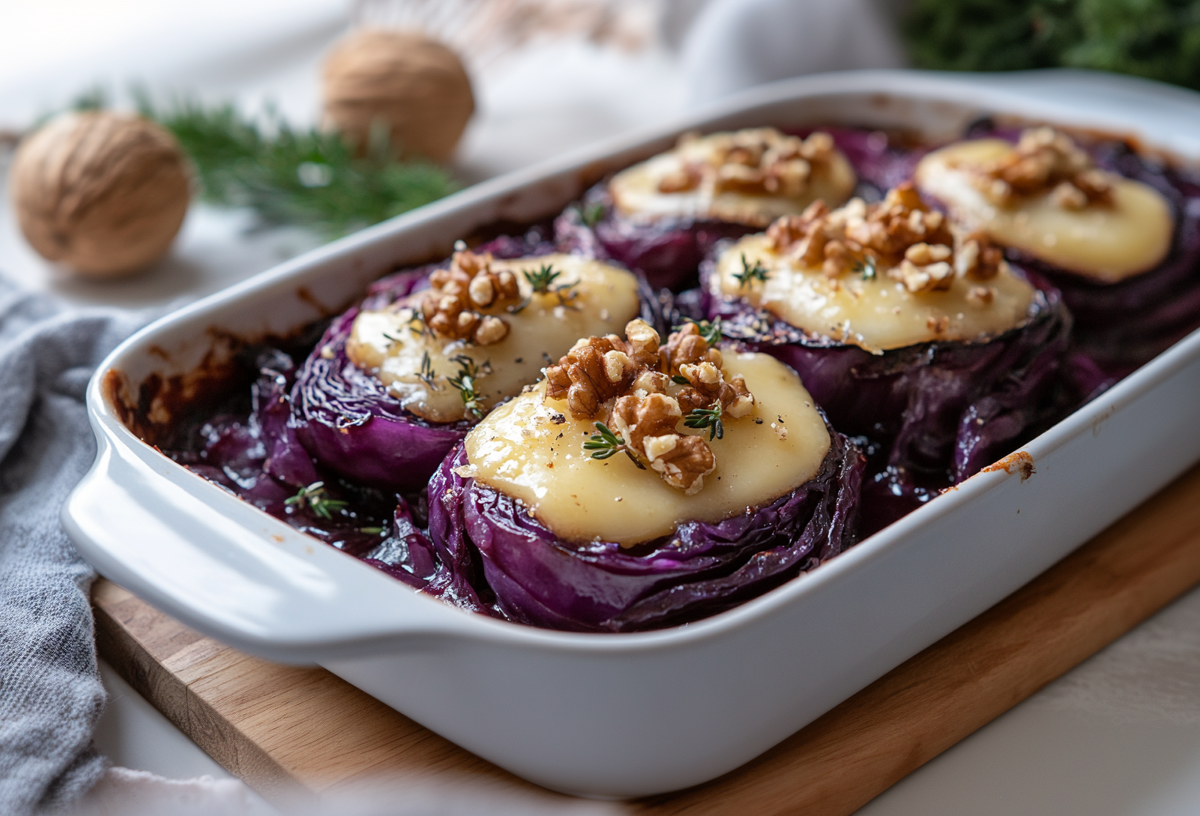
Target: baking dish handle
pixel 227 569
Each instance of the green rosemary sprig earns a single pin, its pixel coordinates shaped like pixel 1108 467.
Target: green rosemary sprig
pixel 465 383
pixel 317 499
pixel 751 272
pixel 709 418
pixel 604 443
pixel 288 175
pixel 710 331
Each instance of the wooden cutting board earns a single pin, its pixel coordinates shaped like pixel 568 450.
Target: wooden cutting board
pixel 284 729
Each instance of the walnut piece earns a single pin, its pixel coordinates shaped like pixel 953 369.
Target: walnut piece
pixel 759 161
pixel 1045 160
pixel 643 389
pixel 900 234
pixel 451 306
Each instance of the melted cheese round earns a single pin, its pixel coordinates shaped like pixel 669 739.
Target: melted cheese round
pixel 636 195
pixel 1102 242
pixel 876 314
pixel 605 298
pixel 532 449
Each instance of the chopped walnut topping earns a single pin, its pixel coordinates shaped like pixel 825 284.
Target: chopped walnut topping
pixel 685 178
pixel 930 277
pixel 978 258
pixel 900 234
pixel 582 376
pixel 644 389
pixel 937 325
pixel 451 306
pixel 981 295
pixel 1045 160
pixel 760 161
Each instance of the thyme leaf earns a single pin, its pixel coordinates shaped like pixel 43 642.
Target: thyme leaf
pixel 541 279
pixel 542 282
pixel 465 383
pixel 315 497
pixel 867 267
pixel 750 273
pixel 604 443
pixel 416 322
pixel 591 214
pixel 427 374
pixel 710 331
pixel 709 418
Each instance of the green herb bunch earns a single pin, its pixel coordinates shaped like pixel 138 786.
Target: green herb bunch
pixel 300 176
pixel 1156 39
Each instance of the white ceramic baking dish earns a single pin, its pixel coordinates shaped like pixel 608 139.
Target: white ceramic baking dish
pixel 633 714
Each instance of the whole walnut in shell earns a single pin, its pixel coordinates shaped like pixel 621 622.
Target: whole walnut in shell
pixel 415 85
pixel 103 193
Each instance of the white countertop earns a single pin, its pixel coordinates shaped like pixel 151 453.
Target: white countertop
pixel 1119 735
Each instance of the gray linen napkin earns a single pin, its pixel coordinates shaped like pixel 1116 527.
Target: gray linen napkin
pixel 50 692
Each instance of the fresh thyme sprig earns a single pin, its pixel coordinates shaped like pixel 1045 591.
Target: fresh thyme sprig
pixel 751 272
pixel 427 374
pixel 591 214
pixel 867 267
pixel 710 331
pixel 302 176
pixel 540 280
pixel 416 323
pixel 604 443
pixel 465 383
pixel 709 418
pixel 317 499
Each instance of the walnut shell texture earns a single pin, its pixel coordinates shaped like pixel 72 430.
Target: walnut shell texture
pixel 415 84
pixel 103 193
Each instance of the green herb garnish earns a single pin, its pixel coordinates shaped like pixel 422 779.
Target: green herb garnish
pixel 465 383
pixel 867 267
pixel 604 443
pixel 416 323
pixel 427 374
pixel 679 379
pixel 541 279
pixel 316 498
pixel 711 332
pixel 591 214
pixel 749 273
pixel 709 418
